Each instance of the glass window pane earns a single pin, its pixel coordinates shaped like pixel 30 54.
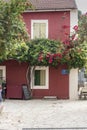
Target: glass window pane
pixel 39 30
pixel 36 30
pixel 40 77
pixel 37 77
pixel 1 74
pixel 42 30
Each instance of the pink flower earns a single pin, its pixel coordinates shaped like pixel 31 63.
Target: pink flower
pixel 75 28
pixel 40 58
pixel 73 36
pixel 55 55
pixel 50 60
pixel 59 55
pixel 86 14
pixel 48 55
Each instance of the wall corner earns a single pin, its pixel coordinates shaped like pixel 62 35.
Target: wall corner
pixel 73 84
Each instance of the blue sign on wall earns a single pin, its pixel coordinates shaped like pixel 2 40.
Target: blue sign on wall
pixel 65 71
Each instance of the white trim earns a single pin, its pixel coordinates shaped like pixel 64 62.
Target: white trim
pixel 73 76
pixel 4 71
pixel 73 19
pixel 46 10
pixel 73 84
pixel 39 21
pixel 47 78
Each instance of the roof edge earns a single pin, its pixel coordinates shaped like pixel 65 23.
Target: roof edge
pixel 49 10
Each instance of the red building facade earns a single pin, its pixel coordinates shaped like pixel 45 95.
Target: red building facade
pixel 16 77
pixel 56 22
pixel 53 21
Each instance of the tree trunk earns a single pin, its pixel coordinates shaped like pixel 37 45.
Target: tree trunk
pixel 28 77
pixel 29 74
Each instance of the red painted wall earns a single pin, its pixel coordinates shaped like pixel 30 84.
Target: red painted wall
pixel 16 72
pixel 15 77
pixel 56 20
pixel 58 85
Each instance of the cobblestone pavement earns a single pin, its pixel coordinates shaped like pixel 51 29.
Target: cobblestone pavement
pixel 44 114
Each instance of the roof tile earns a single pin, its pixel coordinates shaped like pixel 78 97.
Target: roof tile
pixel 53 4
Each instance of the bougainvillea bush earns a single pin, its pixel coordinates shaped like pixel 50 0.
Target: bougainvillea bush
pixel 49 55
pixel 15 40
pixel 46 52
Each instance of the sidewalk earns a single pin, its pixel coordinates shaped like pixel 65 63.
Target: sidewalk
pixel 19 114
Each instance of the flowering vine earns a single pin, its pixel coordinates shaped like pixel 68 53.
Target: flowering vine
pixel 71 52
pixel 45 52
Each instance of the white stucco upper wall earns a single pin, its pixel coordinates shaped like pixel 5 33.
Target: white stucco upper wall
pixel 73 19
pixel 73 76
pixel 73 84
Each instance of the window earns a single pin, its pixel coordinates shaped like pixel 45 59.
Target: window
pixel 2 74
pixel 39 29
pixel 40 78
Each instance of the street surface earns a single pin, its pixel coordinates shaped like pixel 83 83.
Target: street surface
pixel 45 113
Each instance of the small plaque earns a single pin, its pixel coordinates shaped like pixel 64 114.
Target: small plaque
pixel 65 71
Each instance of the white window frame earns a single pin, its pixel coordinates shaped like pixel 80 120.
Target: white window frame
pixel 47 78
pixel 39 21
pixel 3 68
